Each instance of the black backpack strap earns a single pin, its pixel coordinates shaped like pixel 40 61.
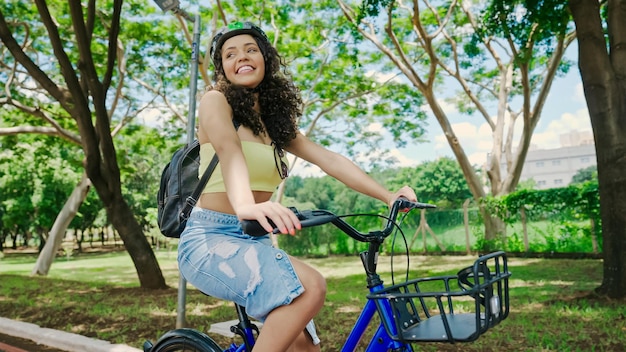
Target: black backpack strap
pixel 191 201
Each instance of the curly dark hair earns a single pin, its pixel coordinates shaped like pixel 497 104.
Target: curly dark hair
pixel 279 99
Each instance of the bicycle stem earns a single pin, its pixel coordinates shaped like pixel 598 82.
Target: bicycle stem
pixel 369 259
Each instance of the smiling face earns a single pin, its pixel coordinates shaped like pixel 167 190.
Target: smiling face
pixel 242 61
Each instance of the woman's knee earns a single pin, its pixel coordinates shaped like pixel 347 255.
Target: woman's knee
pixel 316 286
pixel 315 282
pixel 312 280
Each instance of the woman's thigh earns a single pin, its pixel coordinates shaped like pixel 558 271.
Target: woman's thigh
pixel 222 262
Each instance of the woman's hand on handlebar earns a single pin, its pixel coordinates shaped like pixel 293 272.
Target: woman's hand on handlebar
pixel 404 192
pixel 281 217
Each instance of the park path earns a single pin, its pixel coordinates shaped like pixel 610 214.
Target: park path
pixel 15 344
pixel 17 334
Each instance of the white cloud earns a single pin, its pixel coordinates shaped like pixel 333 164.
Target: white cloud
pixel 477 141
pixel 473 139
pixel 568 122
pixel 448 108
pixel 375 127
pixel 151 117
pixel 477 158
pixel 384 77
pixel 403 160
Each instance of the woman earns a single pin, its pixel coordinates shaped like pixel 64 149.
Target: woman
pixel 214 254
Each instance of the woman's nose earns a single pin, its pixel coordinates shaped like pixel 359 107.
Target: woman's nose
pixel 242 56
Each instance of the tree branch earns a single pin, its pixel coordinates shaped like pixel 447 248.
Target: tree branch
pixel 61 95
pixel 49 131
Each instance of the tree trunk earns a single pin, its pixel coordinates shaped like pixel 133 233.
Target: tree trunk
pixel 603 72
pixel 494 228
pixel 63 220
pixel 135 242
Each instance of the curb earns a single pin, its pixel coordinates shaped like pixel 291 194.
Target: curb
pixel 59 339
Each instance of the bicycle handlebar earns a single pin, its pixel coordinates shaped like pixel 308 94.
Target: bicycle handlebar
pixel 318 217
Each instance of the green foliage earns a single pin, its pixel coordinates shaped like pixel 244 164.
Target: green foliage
pixel 571 210
pixel 371 8
pixel 589 173
pixel 36 182
pixel 528 184
pixel 441 182
pixel 567 211
pixel 447 218
pixel 519 19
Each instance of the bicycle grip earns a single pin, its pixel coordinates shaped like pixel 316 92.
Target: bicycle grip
pixel 254 228
pixel 308 218
pixel 404 203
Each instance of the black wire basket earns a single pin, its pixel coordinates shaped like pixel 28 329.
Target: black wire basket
pixel 455 308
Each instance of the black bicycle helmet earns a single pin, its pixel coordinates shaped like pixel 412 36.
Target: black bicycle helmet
pixel 231 30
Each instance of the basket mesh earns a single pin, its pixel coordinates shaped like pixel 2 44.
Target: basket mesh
pixel 455 308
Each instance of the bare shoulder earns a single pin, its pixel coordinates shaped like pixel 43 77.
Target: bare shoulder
pixel 215 115
pixel 214 97
pixel 214 104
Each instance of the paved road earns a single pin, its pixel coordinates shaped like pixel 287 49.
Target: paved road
pixel 14 344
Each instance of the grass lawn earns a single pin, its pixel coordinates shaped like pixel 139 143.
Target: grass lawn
pixel 552 308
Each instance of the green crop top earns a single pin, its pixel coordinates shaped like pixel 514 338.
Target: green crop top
pixel 261 167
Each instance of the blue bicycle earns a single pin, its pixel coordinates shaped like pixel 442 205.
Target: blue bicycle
pixel 452 308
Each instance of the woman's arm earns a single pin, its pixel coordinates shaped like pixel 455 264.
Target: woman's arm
pixel 344 170
pixel 216 127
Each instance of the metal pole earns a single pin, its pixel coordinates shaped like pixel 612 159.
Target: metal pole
pixel 193 83
pixel 191 135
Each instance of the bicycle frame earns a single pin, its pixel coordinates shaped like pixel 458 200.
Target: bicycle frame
pixel 381 341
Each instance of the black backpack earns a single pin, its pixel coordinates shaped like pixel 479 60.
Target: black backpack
pixel 180 189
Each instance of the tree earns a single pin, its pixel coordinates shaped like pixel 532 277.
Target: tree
pixel 64 217
pixel 76 88
pixel 601 29
pixel 503 75
pixel 441 181
pixel 587 174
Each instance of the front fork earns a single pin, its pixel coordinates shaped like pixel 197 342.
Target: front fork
pixel 382 340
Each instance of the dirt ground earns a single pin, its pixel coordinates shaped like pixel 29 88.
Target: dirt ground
pixel 22 344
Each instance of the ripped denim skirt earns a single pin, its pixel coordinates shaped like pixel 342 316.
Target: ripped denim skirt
pixel 216 257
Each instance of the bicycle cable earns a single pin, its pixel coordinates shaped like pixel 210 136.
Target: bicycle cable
pixel 398 228
pixel 396 224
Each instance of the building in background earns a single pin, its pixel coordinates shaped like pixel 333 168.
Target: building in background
pixel 552 168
